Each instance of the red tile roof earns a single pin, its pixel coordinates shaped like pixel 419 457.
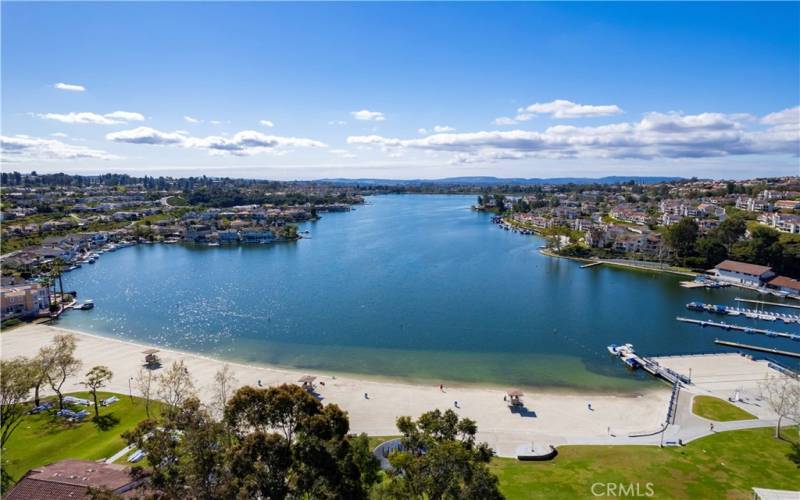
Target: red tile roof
pixel 743 267
pixel 70 479
pixel 784 282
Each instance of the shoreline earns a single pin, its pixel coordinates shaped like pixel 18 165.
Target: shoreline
pixel 555 417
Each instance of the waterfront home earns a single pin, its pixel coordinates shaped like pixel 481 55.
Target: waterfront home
pixel 73 478
pixel 198 232
pixel 743 273
pixel 20 299
pixel 257 235
pixel 227 237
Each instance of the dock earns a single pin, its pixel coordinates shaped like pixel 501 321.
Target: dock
pixel 766 303
pixel 739 311
pixel 757 348
pixel 746 329
pixel 628 356
pixel 591 264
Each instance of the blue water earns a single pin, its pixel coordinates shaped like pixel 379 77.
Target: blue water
pixel 411 286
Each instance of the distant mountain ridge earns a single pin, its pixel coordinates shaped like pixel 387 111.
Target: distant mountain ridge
pixel 492 181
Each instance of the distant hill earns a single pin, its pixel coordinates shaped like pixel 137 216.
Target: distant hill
pixel 492 181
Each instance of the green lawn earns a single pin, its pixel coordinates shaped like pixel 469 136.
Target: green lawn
pixel 725 465
pixel 44 438
pixel 717 409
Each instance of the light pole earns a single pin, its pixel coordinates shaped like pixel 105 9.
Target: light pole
pixel 130 388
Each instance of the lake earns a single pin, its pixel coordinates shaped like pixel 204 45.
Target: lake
pixel 416 287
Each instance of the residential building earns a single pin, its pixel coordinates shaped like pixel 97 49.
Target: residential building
pixel 23 300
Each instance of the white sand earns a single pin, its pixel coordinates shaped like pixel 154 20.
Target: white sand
pixel 559 417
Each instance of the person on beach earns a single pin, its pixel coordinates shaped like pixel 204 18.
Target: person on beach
pixel 366 396
pixel 589 405
pixel 711 428
pixel 259 382
pixel 455 403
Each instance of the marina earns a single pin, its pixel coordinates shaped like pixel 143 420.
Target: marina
pixel 740 328
pixel 748 313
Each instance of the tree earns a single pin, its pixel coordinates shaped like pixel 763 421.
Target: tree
pixel 15 385
pixel 711 250
pixel 763 247
pixel 731 230
pixel 61 363
pixel 96 379
pixel 440 459
pixel 175 385
pixel 224 381
pixel 782 394
pixel 144 382
pixel 245 456
pixel 681 237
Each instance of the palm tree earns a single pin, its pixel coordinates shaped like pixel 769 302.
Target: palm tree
pixel 56 270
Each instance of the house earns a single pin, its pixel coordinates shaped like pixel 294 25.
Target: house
pixel 753 205
pixel 255 235
pixel 786 223
pixel 785 284
pixel 23 300
pixel 228 237
pixel 742 272
pixel 72 479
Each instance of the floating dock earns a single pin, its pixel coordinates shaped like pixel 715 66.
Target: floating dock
pixel 633 360
pixel 757 348
pixel 591 264
pixel 741 311
pixel 737 299
pixel 746 329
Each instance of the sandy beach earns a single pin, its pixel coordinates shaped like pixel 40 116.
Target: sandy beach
pixel 553 418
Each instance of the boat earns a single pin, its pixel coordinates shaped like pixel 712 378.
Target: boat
pixel 89 304
pixel 695 306
pixel 620 350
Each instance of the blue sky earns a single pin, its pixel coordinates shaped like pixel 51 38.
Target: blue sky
pixel 402 90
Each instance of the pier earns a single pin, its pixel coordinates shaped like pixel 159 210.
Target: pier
pixel 757 348
pixel 633 360
pixel 737 299
pixel 591 264
pixel 746 329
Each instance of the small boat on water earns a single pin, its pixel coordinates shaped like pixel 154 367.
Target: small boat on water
pixel 89 304
pixel 620 350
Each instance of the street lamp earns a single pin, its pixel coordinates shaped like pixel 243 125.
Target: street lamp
pixel 130 388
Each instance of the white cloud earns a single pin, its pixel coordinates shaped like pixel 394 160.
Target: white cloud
pixel 422 131
pixel 560 108
pixel 786 116
pixel 656 135
pixel 337 122
pixel 25 148
pixel 125 116
pixel 440 129
pixel 189 119
pixel 146 135
pixel 244 143
pixel 367 115
pixel 87 117
pixel 266 123
pixel 57 134
pixel 69 87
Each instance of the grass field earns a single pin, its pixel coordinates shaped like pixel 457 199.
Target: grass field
pixel 44 438
pixel 725 465
pixel 717 409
